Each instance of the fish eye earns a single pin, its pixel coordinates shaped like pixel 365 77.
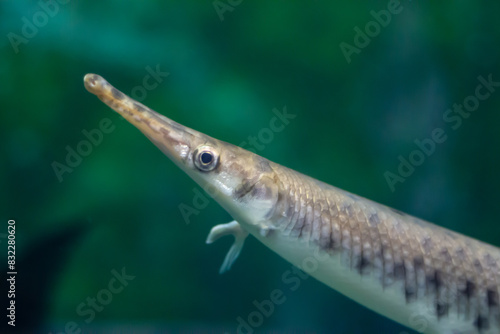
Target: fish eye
pixel 205 158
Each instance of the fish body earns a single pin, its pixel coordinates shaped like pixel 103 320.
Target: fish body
pixel 419 274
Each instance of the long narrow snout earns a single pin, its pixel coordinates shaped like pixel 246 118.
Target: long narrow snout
pixel 173 139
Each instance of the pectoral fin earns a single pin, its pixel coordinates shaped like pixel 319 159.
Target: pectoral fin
pixel 239 234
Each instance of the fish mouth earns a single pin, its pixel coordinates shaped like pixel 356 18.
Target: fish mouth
pixel 172 138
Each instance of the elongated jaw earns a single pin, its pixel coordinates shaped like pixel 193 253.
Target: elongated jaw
pixel 173 139
pixel 132 110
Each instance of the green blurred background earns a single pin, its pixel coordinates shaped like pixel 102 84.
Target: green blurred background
pixel 228 68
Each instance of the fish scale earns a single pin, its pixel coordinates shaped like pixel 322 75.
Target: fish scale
pixel 408 240
pixel 419 274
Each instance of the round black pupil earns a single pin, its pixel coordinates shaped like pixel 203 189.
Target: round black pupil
pixel 206 158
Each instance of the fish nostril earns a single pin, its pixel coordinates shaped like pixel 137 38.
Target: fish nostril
pixel 90 81
pixel 94 83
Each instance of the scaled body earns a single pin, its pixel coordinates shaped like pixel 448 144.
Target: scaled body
pixel 421 275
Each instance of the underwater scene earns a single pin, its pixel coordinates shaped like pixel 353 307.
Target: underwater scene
pixel 101 232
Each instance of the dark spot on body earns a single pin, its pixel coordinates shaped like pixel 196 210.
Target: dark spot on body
pixel 399 271
pixel 117 94
pixel 363 263
pixel 492 296
pixel 478 266
pixel 427 244
pixel 374 219
pixel 299 226
pixel 435 280
pixel 441 309
pixel 418 262
pixel 326 244
pixel 264 165
pixel 445 254
pixel 409 294
pixel 243 189
pixel 382 251
pixel 469 289
pixel 481 323
pixel 460 253
pixel 326 240
pixel 333 245
pixel 261 192
pixel 270 232
pixel 290 209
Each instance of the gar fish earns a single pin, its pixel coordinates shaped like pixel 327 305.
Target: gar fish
pixel 419 274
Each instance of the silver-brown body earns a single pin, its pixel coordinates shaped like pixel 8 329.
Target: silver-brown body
pixel 421 275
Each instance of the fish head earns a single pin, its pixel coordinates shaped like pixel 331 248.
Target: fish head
pixel 242 182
